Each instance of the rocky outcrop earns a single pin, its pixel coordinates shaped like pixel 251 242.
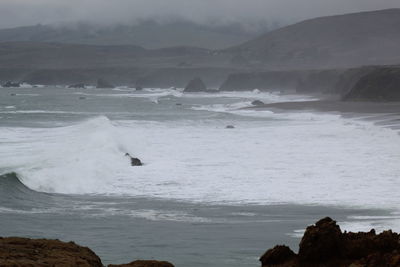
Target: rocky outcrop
pixel 101 83
pixel 16 251
pixel 324 244
pixel 11 84
pixel 380 84
pixel 196 85
pixel 142 263
pixel 77 85
pixel 134 161
pixel 257 103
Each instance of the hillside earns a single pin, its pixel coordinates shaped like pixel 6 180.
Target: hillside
pixel 148 34
pixel 368 38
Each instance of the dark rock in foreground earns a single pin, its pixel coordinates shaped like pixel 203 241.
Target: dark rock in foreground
pixel 324 244
pixel 16 251
pixel 142 263
pixel 101 84
pixel 11 84
pixel 78 85
pixel 196 85
pixel 381 84
pixel 257 103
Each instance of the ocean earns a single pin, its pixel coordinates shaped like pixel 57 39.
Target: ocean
pixel 207 195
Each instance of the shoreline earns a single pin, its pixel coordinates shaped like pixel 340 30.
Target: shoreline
pixel 386 114
pixel 335 106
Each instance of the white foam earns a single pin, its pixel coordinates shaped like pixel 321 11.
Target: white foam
pixel 306 159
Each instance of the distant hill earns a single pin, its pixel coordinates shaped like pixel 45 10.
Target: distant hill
pixel 149 34
pixel 367 38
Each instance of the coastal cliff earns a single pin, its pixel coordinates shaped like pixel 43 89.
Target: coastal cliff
pixel 324 244
pixel 381 84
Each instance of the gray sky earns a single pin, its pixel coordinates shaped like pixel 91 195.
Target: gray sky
pixel 28 12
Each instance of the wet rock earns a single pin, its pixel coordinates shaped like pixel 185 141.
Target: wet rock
pixel 77 86
pixel 16 251
pixel 134 161
pixel 277 255
pixel 324 244
pixel 11 84
pixel 321 241
pixel 196 85
pixel 257 103
pixel 101 84
pixel 142 263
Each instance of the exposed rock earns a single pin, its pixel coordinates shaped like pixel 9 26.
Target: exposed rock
pixel 101 83
pixel 321 242
pixel 134 161
pixel 12 84
pixel 381 84
pixel 257 103
pixel 142 263
pixel 82 97
pixel 138 88
pixel 16 251
pixel 196 85
pixel 78 85
pixel 230 127
pixel 324 244
pixel 277 255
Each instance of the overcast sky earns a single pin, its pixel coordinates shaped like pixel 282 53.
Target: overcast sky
pixel 28 12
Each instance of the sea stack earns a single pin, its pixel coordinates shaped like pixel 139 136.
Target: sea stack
pixel 101 84
pixel 196 85
pixel 12 84
pixel 78 85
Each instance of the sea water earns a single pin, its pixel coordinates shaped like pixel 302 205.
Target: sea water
pixel 206 195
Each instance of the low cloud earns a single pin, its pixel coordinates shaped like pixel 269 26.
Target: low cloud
pixel 27 12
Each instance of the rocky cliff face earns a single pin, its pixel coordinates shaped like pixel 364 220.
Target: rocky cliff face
pixel 380 84
pixel 324 244
pixel 305 81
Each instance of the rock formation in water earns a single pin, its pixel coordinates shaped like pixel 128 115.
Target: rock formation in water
pixel 380 84
pixel 101 83
pixel 134 161
pixel 18 252
pixel 77 85
pixel 324 244
pixel 257 103
pixel 195 85
pixel 12 84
